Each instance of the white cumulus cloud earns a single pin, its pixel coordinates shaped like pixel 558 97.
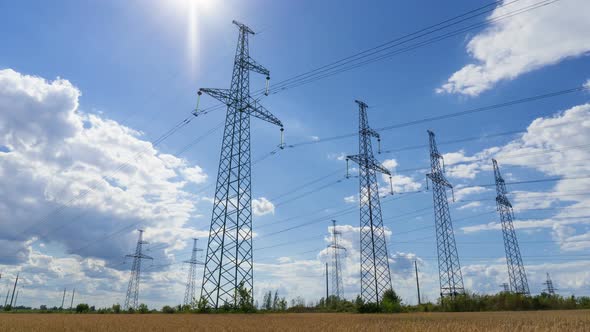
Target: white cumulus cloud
pixel 80 183
pixel 262 206
pixel 522 43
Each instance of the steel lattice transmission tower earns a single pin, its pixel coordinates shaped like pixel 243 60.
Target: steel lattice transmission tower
pixel 133 287
pixel 375 274
pixel 549 284
pixel 189 293
pixel 449 268
pixel 337 283
pixel 516 273
pixel 228 261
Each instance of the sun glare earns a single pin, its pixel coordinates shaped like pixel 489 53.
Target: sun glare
pixel 189 13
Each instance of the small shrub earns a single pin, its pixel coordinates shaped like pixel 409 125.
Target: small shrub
pixel 143 309
pixel 168 309
pixel 82 308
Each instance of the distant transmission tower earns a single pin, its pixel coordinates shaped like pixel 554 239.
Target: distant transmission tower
pixel 449 269
pixel 133 288
pixel 549 286
pixel 189 293
pixel 337 284
pixel 228 263
pixel 505 287
pixel 62 300
pixel 375 275
pixel 516 273
pixel 14 289
pixel 72 300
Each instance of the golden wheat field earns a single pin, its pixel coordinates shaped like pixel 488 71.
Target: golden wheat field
pixel 485 321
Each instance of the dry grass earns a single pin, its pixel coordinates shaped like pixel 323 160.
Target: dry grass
pixel 486 321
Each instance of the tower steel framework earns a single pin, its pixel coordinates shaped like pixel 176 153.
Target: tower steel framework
pixel 375 274
pixel 516 273
pixel 228 262
pixel 337 285
pixel 189 293
pixel 449 268
pixel 133 287
pixel 550 289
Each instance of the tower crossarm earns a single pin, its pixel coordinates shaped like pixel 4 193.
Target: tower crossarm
pixel 142 256
pixel 369 163
pixel 243 27
pixel 193 261
pixel 336 246
pixel 255 109
pixel 254 66
pixel 369 132
pixel 223 95
pixel 437 177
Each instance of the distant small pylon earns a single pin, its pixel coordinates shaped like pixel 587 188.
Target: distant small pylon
pixel 133 287
pixel 505 287
pixel 549 286
pixel 337 283
pixel 189 294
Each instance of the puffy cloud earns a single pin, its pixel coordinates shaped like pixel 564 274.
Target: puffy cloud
pixel 568 277
pixel 390 164
pixel 351 199
pixel 194 174
pixel 78 185
pixel 401 183
pixel 471 205
pixel 463 192
pixel 555 146
pixel 522 43
pixel 341 156
pixel 262 206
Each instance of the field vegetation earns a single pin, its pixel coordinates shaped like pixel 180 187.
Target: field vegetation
pixel 570 320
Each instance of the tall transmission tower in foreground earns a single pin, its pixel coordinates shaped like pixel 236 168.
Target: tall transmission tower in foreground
pixel 449 269
pixel 549 286
pixel 375 274
pixel 228 262
pixel 133 287
pixel 337 284
pixel 516 273
pixel 189 293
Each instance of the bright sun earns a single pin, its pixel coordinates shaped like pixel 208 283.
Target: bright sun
pixel 189 13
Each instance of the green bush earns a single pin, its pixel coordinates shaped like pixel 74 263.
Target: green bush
pixel 367 308
pixel 168 309
pixel 203 306
pixel 143 309
pixel 82 308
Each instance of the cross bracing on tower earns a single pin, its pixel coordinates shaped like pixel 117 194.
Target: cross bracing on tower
pixel 189 293
pixel 449 268
pixel 228 261
pixel 375 273
pixel 131 299
pixel 516 273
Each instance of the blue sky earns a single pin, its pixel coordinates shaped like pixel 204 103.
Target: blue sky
pixel 130 71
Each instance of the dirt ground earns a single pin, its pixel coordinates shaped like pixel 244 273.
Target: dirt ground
pixel 578 320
